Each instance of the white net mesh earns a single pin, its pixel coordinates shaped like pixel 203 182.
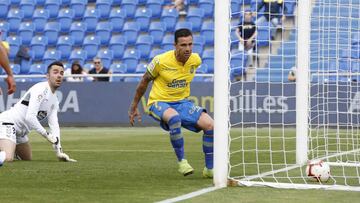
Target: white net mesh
pixel 262 102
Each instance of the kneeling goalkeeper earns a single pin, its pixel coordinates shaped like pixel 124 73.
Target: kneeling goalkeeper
pixel 38 103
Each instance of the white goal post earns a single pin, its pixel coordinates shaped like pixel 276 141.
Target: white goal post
pixel 266 127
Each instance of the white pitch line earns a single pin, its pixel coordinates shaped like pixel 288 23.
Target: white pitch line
pixel 190 195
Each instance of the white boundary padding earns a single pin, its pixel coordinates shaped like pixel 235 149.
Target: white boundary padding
pixel 302 79
pixel 221 92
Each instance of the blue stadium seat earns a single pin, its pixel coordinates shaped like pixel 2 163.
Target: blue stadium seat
pixel 116 2
pixel 193 2
pixel 238 63
pixel 91 45
pixel 195 16
pixel 53 6
pixel 118 45
pixel 208 6
pixel 143 17
pixel 157 31
pixel 14 2
pixel 202 69
pixel 263 34
pixel 38 46
pixel 26 32
pixel 103 31
pixel 198 44
pixel 77 32
pixel 144 44
pixel 51 31
pixel 131 59
pixel 170 18
pixel 131 32
pixel 4 7
pixel 28 6
pixel 183 24
pixel 106 57
pixel 40 18
pixel 15 68
pixel 89 66
pixel 155 52
pixel 91 18
pixel 118 68
pixel 141 68
pixel 78 6
pixel 207 31
pixel 14 43
pixel 51 56
pixel 78 55
pixel 64 45
pixel 235 8
pixel 289 8
pixel 208 59
pixel 155 6
pixel 65 19
pixel 168 43
pixel 4 29
pixel 130 7
pixel 38 69
pixel 14 18
pixel 104 7
pixel 117 18
pixel 38 2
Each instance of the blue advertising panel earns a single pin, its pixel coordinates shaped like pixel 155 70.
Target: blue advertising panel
pixel 103 103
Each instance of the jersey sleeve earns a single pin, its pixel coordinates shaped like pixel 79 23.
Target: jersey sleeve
pixel 36 97
pixel 153 67
pixel 54 126
pixel 198 60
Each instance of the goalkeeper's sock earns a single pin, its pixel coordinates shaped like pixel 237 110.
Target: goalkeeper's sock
pixel 208 148
pixel 176 136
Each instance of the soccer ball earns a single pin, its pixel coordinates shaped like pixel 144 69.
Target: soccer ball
pixel 2 157
pixel 318 170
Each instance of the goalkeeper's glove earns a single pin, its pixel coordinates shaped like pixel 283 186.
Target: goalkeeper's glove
pixel 64 157
pixel 51 138
pixel 60 154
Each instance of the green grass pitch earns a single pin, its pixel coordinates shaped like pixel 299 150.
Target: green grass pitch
pixel 128 165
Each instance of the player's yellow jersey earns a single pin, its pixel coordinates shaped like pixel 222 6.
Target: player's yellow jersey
pixel 171 78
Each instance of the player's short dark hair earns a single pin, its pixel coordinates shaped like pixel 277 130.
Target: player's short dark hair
pixel 183 32
pixel 55 63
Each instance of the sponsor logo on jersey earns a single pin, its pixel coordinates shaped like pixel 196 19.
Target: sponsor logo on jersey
pixel 177 84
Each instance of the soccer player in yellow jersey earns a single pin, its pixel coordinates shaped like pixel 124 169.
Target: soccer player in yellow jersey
pixel 172 73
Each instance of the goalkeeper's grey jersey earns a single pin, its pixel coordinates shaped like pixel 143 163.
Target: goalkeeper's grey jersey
pixel 37 104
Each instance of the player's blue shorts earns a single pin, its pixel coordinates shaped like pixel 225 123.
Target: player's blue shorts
pixel 188 112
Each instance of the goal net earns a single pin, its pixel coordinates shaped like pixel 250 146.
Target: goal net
pixel 275 126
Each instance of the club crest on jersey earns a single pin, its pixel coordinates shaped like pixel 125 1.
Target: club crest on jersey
pixel 39 98
pixel 192 69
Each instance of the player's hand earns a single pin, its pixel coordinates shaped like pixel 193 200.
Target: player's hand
pixel 52 138
pixel 11 84
pixel 64 157
pixel 133 113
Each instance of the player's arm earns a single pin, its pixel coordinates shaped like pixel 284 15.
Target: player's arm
pixel 4 62
pixel 55 131
pixel 140 91
pixel 36 97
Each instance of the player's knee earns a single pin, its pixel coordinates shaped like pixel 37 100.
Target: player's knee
pixel 9 158
pixel 174 122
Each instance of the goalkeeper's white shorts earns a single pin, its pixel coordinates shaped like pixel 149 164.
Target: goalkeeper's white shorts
pixel 8 132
